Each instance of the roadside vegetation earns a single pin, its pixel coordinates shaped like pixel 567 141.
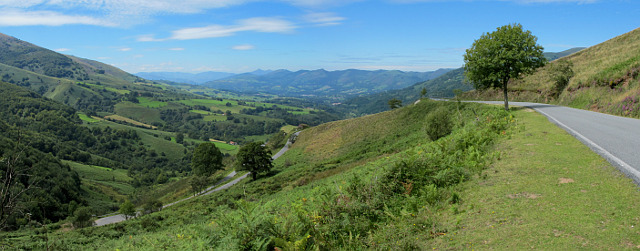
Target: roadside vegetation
pixel 604 79
pixel 547 191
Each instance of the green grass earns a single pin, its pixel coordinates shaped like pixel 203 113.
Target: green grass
pixel 200 112
pixel 99 173
pixel 215 118
pixel 224 148
pixel 86 118
pixel 288 128
pixel 138 112
pixel 548 191
pixel 146 102
pixel 103 186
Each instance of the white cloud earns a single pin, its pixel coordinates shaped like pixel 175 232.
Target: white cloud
pixel 62 49
pixel 176 49
pixel 12 17
pixel 120 12
pixel 243 47
pixel 257 24
pixel 324 19
pixel 124 49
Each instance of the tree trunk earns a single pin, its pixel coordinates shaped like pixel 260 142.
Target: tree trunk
pixel 504 90
pixel 253 175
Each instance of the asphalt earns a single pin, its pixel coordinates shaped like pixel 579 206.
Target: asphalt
pixel 216 187
pixel 615 138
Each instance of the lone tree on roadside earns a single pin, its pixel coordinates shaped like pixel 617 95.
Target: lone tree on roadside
pixel 128 209
pixel 504 54
pixel 207 159
pixel 255 158
pixel 423 92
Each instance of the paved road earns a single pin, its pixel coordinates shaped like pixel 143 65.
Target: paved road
pixel 615 138
pixel 120 217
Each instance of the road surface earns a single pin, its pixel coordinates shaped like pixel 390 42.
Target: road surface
pixel 120 217
pixel 615 138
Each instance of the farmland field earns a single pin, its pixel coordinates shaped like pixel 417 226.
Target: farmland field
pixel 146 102
pixel 86 118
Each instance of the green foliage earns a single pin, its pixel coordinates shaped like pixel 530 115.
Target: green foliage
pixel 179 138
pixel 152 205
pixel 561 72
pixel 198 183
pixel 394 103
pixel 207 159
pixel 128 209
pixel 499 56
pixel 438 123
pixel 255 158
pixel 82 218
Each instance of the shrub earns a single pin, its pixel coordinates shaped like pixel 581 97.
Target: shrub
pixel 438 123
pixel 82 218
pixel 561 73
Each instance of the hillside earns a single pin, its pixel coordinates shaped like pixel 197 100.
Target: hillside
pixel 114 136
pixel 439 87
pixel 378 179
pixel 337 84
pixel 605 79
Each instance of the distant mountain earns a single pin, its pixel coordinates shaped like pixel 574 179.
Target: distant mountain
pixel 183 77
pixel 555 55
pixel 343 83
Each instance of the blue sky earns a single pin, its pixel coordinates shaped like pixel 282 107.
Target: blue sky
pixel 245 35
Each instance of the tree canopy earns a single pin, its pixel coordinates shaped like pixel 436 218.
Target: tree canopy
pixel 254 157
pixel 395 103
pixel 207 158
pixel 499 56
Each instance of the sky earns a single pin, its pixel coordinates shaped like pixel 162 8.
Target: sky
pixel 245 35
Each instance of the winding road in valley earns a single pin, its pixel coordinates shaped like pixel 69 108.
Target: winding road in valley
pixel 212 189
pixel 615 138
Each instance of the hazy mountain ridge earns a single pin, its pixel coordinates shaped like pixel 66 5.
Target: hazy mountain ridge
pixel 322 82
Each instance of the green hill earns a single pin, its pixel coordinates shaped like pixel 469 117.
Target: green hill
pixel 374 182
pixel 556 55
pixel 439 87
pixel 605 79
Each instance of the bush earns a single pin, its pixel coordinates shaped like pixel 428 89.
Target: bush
pixel 561 73
pixel 82 218
pixel 438 123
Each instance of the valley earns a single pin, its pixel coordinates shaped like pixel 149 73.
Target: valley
pixel 313 159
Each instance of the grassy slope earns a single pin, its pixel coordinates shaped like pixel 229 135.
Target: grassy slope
pixel 606 79
pixel 324 159
pixel 547 192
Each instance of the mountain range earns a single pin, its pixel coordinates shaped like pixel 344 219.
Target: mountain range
pixel 192 78
pixel 321 82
